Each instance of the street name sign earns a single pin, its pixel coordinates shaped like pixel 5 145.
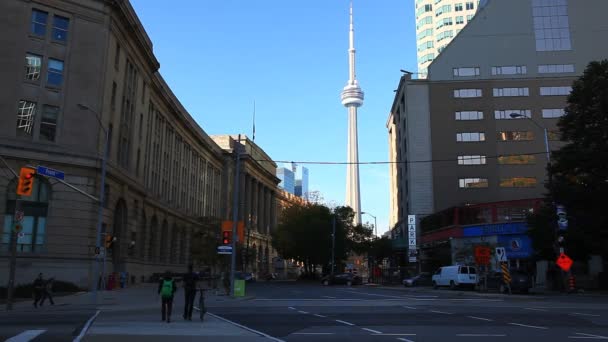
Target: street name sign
pixel 47 171
pixel 224 249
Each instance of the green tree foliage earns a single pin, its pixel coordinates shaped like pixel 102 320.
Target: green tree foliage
pixel 579 170
pixel 204 242
pixel 380 249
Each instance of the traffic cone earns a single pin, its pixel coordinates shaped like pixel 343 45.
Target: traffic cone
pixel 571 284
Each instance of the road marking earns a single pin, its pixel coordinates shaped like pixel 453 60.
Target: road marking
pixel 589 336
pixel 26 336
pixel 344 322
pixel 320 316
pixel 481 335
pixel 528 326
pixel 404 339
pixel 372 331
pixel 246 328
pixel 583 314
pixel 441 312
pixel 321 333
pixel 389 334
pixel 535 309
pixel 475 299
pixel 86 327
pixel 374 294
pixel 409 307
pixel 330 297
pixel 481 318
pixel 291 308
pixel 303 312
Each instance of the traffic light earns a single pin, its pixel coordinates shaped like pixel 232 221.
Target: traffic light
pixel 109 241
pixel 26 181
pixel 226 237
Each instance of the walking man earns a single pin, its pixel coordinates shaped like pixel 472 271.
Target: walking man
pixel 38 289
pixel 166 289
pixel 47 292
pixel 190 280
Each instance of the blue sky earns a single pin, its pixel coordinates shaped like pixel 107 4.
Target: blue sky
pixel 289 56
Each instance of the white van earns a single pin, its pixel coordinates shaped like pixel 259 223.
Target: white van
pixel 455 276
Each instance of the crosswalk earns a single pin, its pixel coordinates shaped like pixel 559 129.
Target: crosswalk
pixel 26 336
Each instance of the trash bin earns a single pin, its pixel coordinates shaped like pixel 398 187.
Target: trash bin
pixel 239 288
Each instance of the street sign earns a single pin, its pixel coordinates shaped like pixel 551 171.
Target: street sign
pixel 19 215
pixel 20 235
pixel 413 259
pixel 564 262
pixel 501 254
pixel 47 171
pixel 482 255
pixel 411 232
pixel 412 243
pixel 412 235
pixel 562 219
pixel 224 249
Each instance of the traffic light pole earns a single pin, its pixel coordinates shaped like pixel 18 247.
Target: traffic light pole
pixel 98 245
pixel 235 212
pixel 13 258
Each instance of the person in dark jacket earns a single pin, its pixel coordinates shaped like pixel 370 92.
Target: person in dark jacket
pixel 47 292
pixel 38 289
pixel 190 280
pixel 166 290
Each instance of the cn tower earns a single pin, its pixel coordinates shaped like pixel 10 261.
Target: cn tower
pixel 352 98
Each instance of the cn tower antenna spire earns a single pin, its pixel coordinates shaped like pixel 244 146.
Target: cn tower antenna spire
pixel 352 98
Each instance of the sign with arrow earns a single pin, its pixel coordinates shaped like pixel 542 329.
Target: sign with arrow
pixel 501 254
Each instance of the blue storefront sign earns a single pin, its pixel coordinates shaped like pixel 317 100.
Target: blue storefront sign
pixel 496 229
pixel 518 246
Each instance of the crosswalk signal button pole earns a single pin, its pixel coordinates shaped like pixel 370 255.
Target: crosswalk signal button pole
pixel 26 181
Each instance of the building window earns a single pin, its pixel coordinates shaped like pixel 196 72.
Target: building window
pixel 26 114
pixel 471 160
pixel 426 58
pixel 424 21
pixel 48 123
pixel 424 9
pixel 553 113
pixel 553 135
pixel 470 137
pixel 555 91
pixel 519 159
pixel 465 93
pixel 445 22
pixel 469 115
pixel 55 73
pixel 469 17
pixel 33 65
pixel 459 20
pixel 472 183
pixel 551 26
pixel 39 19
pixel 117 56
pixel 470 6
pixel 506 114
pixel 518 182
pixel 510 70
pixel 555 68
pixel 106 196
pixel 60 28
pixel 143 91
pixel 509 92
pixel 445 35
pixel 463 72
pixel 443 9
pixel 424 33
pixel 113 98
pixel 425 46
pixel 515 136
pixel 458 7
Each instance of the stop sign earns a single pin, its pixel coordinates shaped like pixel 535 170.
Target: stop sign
pixel 564 262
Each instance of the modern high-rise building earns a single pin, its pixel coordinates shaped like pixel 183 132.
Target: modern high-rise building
pixel 437 23
pixel 481 127
pixel 301 187
pixel 288 181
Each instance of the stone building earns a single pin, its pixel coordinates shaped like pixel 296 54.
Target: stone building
pixel 74 71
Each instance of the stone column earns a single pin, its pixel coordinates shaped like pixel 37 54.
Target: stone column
pixel 254 203
pixel 267 211
pixel 262 210
pixel 273 211
pixel 247 196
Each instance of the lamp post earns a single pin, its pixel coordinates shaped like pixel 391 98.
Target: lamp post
pixel 547 153
pixel 375 223
pixel 102 187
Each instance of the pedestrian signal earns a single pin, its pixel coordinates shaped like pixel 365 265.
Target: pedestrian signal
pixel 226 237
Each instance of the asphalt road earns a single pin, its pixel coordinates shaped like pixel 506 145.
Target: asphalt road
pixel 307 312
pixel 46 324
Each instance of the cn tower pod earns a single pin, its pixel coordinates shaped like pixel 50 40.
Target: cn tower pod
pixel 352 95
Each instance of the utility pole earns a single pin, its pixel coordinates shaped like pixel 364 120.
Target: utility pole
pixel 333 244
pixel 235 215
pixel 13 255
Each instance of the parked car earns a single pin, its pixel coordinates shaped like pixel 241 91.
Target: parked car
pixel 248 277
pixel 342 278
pixel 422 279
pixel 455 276
pixel 520 281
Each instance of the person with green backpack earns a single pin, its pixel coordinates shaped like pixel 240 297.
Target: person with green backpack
pixel 166 290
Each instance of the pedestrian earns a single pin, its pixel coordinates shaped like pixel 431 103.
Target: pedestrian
pixel 166 289
pixel 38 288
pixel 123 279
pixel 190 280
pixel 226 281
pixel 47 292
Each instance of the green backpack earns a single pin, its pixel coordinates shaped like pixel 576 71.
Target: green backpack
pixel 166 291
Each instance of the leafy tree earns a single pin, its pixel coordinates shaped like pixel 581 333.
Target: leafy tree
pixel 205 239
pixel 579 170
pixel 381 249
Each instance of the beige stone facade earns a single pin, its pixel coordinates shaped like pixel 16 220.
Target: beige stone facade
pixel 164 171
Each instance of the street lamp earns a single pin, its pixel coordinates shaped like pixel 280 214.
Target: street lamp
pixel 102 187
pixel 375 222
pixel 517 115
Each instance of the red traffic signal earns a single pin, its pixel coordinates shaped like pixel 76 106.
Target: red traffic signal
pixel 26 181
pixel 226 237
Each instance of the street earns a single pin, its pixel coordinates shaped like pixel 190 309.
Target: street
pixel 303 312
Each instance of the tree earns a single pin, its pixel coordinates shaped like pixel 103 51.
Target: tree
pixel 205 239
pixel 579 170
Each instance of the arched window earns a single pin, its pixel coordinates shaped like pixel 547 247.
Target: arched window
pixel 152 240
pixel 164 243
pixel 174 248
pixel 33 235
pixel 143 234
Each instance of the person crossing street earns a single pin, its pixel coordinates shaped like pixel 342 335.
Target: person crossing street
pixel 166 289
pixel 190 280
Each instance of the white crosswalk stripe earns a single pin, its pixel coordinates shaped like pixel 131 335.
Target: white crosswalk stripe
pixel 26 336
